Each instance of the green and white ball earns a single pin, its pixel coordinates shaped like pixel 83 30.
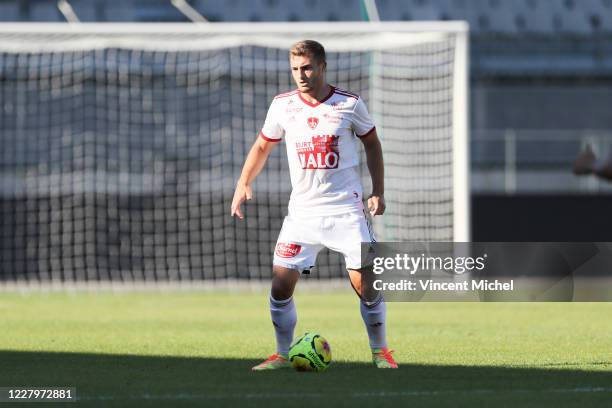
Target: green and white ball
pixel 310 352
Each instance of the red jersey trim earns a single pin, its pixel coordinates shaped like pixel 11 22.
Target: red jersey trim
pixel 268 139
pixel 286 94
pixel 317 103
pixel 368 133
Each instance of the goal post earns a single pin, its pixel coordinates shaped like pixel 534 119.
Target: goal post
pixel 461 143
pixel 122 142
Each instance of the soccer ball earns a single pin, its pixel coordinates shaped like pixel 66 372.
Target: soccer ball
pixel 310 352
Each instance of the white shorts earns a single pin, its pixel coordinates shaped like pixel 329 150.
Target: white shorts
pixel 301 239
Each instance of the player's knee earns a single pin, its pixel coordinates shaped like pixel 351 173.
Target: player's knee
pixel 283 282
pixel 362 282
pixel 367 295
pixel 281 289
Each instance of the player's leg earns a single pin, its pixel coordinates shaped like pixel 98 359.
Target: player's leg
pixel 282 307
pixel 374 314
pixel 291 257
pixel 283 314
pixel 372 305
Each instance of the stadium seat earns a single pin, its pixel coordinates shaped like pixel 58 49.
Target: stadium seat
pixel 45 10
pixel 88 10
pixel 548 17
pixel 119 12
pixel 9 11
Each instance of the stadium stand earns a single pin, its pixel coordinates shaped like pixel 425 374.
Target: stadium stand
pixel 572 17
pixel 547 55
pixel 485 16
pixel 556 54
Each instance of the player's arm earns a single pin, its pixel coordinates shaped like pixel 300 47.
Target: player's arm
pixel 374 159
pixel 252 167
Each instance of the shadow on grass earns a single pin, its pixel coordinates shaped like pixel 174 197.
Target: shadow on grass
pixel 109 380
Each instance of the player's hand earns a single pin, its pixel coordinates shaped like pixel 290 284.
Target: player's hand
pixel 242 193
pixel 376 204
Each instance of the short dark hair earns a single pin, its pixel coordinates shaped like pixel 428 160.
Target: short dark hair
pixel 308 47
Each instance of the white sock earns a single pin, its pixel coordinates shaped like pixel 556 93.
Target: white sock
pixel 284 318
pixel 374 316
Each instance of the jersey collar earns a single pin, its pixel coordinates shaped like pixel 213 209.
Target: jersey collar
pixel 317 103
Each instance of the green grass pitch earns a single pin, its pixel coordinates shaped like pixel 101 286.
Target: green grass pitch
pixel 197 348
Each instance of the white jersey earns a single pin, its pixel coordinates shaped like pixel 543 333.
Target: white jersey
pixel 322 148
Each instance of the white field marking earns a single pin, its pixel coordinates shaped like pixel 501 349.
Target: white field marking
pixel 373 394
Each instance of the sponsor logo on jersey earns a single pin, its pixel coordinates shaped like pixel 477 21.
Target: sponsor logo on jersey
pixel 312 122
pixel 337 105
pixel 287 250
pixel 320 153
pixel 332 118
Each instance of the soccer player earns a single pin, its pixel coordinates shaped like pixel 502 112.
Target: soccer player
pixel 322 126
pixel 586 163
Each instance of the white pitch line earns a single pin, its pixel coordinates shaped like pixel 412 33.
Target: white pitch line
pixel 374 394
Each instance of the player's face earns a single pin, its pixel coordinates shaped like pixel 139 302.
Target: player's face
pixel 308 73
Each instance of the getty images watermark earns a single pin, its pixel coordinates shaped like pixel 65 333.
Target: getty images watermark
pixel 498 271
pixel 450 264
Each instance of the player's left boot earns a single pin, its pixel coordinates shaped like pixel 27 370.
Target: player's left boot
pixel 383 358
pixel 274 362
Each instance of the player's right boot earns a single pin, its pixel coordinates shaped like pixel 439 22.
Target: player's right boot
pixel 274 362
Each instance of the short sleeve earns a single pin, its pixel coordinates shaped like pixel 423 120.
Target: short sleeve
pixel 362 122
pixel 272 131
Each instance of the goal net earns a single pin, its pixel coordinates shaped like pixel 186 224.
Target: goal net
pixel 122 144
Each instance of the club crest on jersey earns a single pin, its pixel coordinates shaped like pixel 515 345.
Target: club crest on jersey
pixel 312 122
pixel 320 153
pixel 287 250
